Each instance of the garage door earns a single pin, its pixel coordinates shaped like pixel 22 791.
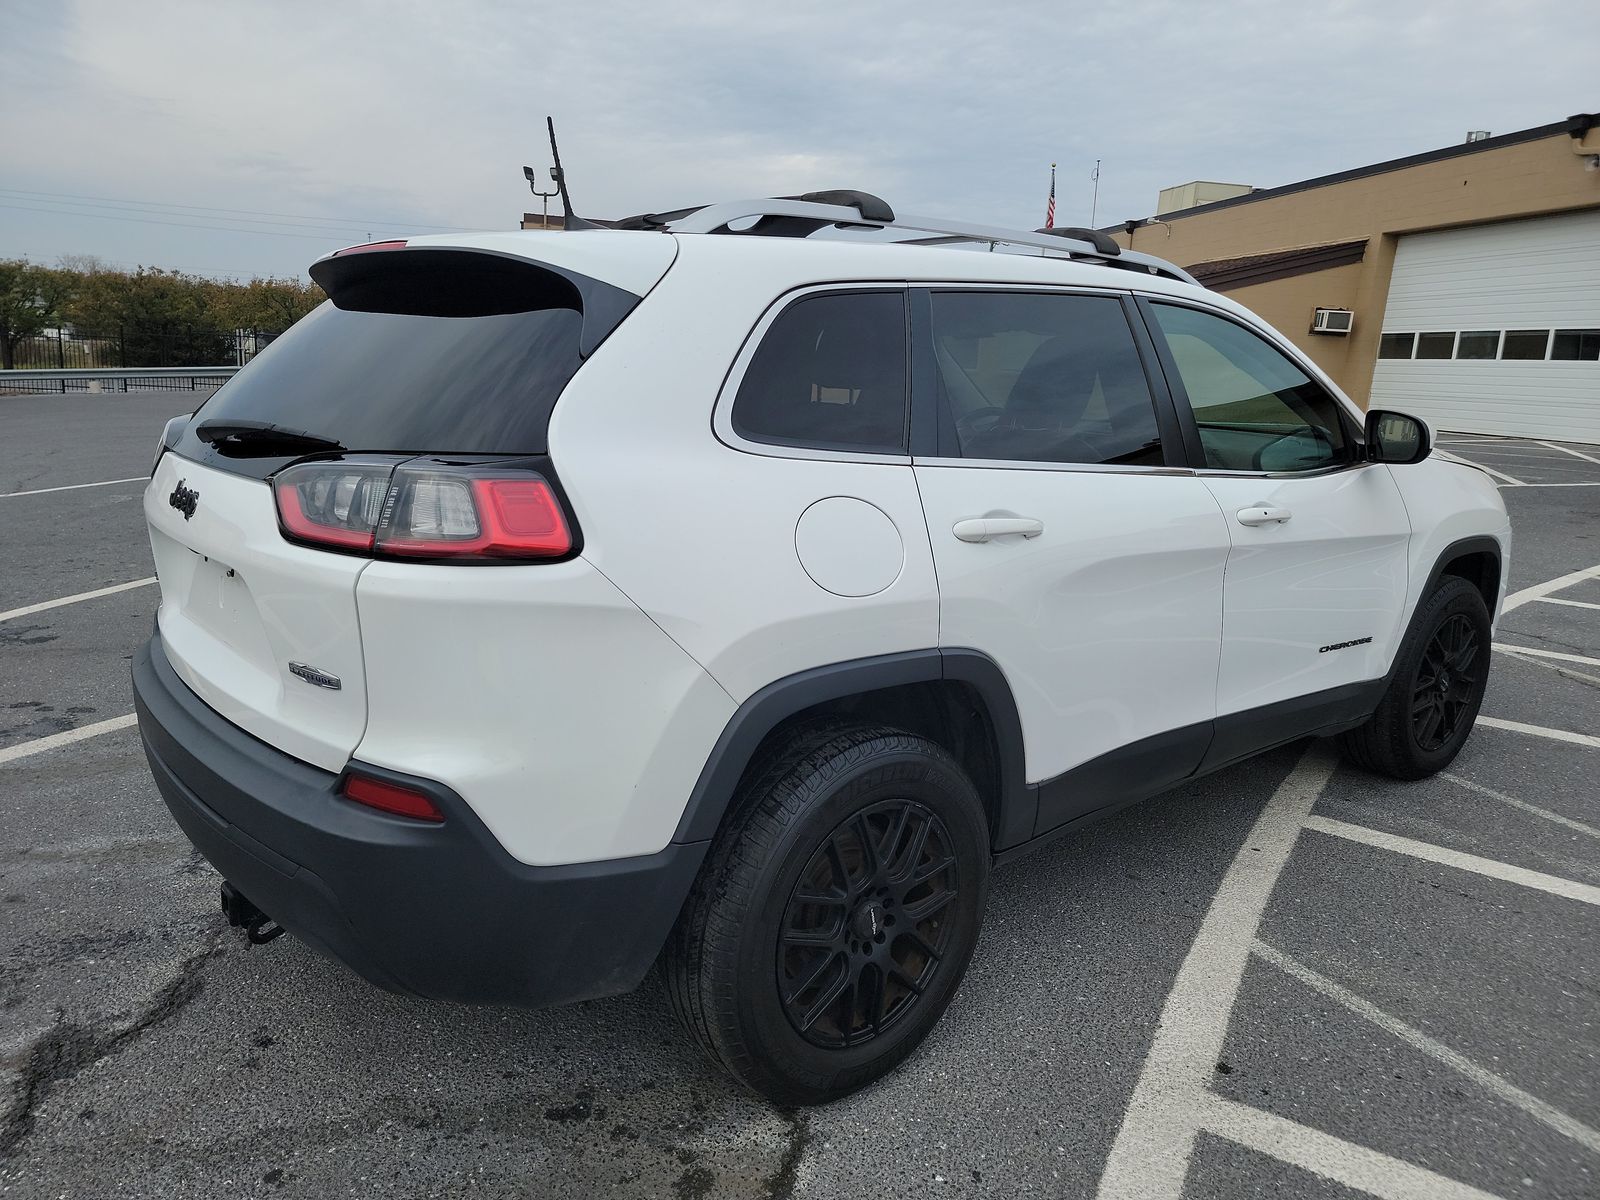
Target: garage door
pixel 1496 328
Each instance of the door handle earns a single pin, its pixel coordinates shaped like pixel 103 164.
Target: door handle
pixel 1261 514
pixel 981 529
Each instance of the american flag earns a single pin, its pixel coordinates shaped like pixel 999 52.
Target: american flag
pixel 1050 208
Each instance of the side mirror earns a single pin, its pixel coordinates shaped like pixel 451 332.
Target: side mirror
pixel 1396 439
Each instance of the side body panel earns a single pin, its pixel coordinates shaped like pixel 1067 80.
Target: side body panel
pixel 703 535
pixel 569 722
pixel 1108 624
pixel 1450 503
pixel 1299 592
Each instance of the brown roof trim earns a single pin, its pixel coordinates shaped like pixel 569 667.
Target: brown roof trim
pixel 1538 133
pixel 1224 274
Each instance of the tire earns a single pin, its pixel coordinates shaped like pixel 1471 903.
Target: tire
pixel 771 929
pixel 1424 717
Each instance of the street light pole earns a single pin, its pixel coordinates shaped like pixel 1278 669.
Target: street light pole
pixel 529 174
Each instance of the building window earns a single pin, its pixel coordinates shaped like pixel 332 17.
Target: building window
pixel 1570 345
pixel 1436 345
pixel 1396 345
pixel 1478 343
pixel 1525 344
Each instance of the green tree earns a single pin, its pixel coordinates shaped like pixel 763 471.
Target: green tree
pixel 31 297
pixel 269 305
pixel 159 318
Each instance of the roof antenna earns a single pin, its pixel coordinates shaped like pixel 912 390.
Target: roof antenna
pixel 569 220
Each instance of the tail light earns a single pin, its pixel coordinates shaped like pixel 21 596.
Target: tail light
pixel 423 510
pixel 390 798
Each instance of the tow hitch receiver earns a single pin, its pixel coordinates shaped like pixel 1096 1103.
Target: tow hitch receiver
pixel 241 914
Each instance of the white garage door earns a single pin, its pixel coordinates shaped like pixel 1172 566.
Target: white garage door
pixel 1496 328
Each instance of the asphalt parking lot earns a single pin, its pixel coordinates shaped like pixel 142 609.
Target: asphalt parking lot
pixel 1288 979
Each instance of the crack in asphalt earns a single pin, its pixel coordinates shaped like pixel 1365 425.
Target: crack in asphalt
pixel 69 1047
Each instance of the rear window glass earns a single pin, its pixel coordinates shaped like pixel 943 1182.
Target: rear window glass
pixel 402 382
pixel 419 351
pixel 831 374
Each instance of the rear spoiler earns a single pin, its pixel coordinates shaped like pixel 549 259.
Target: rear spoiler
pixel 393 277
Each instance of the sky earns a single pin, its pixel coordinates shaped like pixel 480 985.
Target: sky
pixel 248 139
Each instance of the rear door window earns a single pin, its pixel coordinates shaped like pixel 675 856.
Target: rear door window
pixel 1039 377
pixel 830 374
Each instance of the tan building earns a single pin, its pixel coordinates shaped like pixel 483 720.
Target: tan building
pixel 1475 269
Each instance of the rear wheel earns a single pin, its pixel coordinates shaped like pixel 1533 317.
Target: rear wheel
pixel 1438 685
pixel 835 916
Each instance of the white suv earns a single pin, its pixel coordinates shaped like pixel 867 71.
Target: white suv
pixel 736 589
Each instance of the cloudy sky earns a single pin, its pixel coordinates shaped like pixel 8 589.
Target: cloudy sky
pixel 236 139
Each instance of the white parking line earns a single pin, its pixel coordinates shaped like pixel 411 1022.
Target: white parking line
pixel 1150 1156
pixel 1492 868
pixel 1467 462
pixel 1552 661
pixel 1417 1040
pixel 30 609
pixel 1555 735
pixel 1541 485
pixel 1522 804
pixel 1332 1157
pixel 1574 453
pixel 72 487
pixel 1540 590
pixel 54 740
pixel 1568 603
pixel 1508 648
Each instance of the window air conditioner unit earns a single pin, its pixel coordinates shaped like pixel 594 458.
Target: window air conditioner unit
pixel 1339 321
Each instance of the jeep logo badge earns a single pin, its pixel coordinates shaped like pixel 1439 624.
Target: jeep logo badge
pixel 184 499
pixel 315 677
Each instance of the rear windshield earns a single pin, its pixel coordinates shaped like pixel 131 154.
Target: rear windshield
pixel 422 352
pixel 386 381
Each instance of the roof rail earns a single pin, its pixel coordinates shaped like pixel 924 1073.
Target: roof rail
pixel 802 216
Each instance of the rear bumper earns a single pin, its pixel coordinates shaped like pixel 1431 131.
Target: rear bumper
pixel 433 910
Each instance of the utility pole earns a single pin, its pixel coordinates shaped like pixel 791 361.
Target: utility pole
pixel 1094 208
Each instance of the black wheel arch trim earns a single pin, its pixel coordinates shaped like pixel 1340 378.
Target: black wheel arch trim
pixel 1460 548
pixel 1476 544
pixel 762 712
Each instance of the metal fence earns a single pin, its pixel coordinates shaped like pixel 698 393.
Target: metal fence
pixel 115 379
pixel 140 345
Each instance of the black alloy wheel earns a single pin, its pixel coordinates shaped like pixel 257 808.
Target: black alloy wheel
pixel 1434 689
pixel 836 911
pixel 865 930
pixel 1447 682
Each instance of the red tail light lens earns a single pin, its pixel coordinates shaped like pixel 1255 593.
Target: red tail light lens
pixel 461 517
pixel 332 504
pixel 391 798
pixel 427 511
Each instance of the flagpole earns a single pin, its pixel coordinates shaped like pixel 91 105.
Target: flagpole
pixel 1050 208
pixel 1094 208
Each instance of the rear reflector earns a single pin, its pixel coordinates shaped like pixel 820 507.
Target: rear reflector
pixel 434 511
pixel 391 798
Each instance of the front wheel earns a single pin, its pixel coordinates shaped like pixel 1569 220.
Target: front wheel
pixel 1437 687
pixel 835 916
